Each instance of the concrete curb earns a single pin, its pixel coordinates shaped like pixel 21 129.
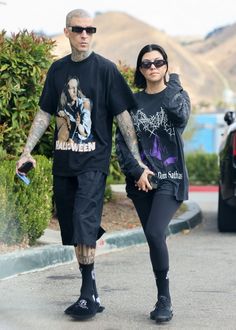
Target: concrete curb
pixel 53 253
pixel 34 258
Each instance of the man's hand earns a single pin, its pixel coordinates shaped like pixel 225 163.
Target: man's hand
pixel 23 159
pixel 143 182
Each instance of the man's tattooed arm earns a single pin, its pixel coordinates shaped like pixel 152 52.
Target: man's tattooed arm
pixel 39 126
pixel 127 129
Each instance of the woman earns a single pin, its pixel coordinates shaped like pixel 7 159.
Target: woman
pixel 162 112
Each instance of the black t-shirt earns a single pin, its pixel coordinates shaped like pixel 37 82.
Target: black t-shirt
pixel 157 139
pixel 84 96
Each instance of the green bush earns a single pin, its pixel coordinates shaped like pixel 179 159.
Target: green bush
pixel 24 61
pixel 128 74
pixel 202 168
pixel 25 210
pixel 10 230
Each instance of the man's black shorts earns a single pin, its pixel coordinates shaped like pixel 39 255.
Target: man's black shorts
pixel 79 203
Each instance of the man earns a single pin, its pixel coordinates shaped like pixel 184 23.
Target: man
pixel 80 169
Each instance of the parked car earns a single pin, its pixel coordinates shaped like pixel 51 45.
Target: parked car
pixel 227 181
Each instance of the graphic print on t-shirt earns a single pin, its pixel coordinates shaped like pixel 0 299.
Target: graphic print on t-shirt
pixel 159 148
pixel 74 119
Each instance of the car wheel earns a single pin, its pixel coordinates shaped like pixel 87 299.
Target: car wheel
pixel 226 216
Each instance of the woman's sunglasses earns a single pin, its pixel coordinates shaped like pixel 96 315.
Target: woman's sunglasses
pixel 80 29
pixel 156 63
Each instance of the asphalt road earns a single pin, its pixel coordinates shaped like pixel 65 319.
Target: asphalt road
pixel 202 280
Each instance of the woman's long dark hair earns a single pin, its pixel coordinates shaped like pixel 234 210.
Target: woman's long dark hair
pixel 139 80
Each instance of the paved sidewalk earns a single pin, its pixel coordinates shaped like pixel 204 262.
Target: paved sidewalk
pixel 50 252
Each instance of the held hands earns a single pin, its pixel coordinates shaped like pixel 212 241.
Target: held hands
pixel 143 182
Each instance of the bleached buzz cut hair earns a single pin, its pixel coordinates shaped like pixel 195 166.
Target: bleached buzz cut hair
pixel 76 13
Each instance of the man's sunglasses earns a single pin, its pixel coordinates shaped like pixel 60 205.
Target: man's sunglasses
pixel 80 29
pixel 148 64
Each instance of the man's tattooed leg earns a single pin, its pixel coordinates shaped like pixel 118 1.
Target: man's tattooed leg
pixel 85 254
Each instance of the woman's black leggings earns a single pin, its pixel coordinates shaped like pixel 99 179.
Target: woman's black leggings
pixel 155 212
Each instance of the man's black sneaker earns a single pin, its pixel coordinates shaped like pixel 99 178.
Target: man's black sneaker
pixel 70 309
pixel 163 311
pixel 84 308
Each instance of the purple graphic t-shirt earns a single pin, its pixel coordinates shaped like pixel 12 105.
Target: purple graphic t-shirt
pixel 157 137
